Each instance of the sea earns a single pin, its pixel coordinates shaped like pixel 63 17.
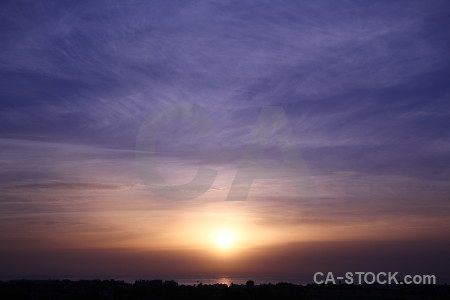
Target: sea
pixel 181 279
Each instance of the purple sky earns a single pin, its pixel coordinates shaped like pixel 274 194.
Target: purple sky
pixel 365 89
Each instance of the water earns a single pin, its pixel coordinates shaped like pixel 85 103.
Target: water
pixel 181 279
pixel 228 280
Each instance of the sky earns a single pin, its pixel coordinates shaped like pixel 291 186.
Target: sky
pixel 313 135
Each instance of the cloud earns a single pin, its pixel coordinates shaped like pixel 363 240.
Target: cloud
pixel 364 88
pixel 64 186
pixel 299 260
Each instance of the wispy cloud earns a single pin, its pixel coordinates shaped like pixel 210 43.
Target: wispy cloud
pixel 364 88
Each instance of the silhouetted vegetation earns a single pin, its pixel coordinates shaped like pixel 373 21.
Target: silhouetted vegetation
pixel 158 289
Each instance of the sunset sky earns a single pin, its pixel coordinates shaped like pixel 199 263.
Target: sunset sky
pixel 94 94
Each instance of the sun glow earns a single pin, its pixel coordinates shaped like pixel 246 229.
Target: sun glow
pixel 225 239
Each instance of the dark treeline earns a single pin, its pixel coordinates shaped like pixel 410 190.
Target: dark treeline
pixel 158 289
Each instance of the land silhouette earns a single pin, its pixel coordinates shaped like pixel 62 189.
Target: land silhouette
pixel 159 289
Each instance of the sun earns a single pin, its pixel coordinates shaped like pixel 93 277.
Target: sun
pixel 225 239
